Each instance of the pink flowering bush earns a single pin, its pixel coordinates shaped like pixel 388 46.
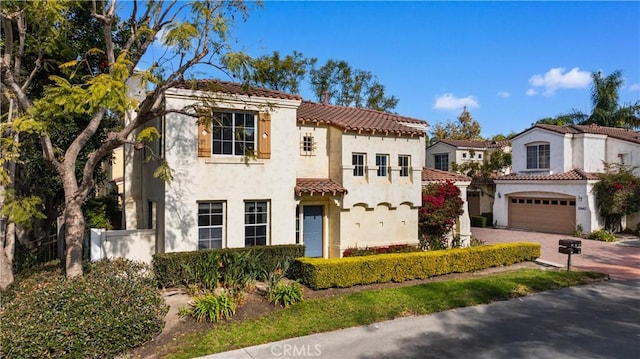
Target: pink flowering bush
pixel 441 207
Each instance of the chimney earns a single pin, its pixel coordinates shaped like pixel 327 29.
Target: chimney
pixel 326 98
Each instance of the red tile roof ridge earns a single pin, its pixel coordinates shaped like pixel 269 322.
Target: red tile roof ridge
pixel 571 175
pixel 234 88
pixel 475 143
pixel 359 119
pixel 318 185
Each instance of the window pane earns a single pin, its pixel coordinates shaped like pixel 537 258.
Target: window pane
pixel 261 230
pixel 203 220
pixel 216 220
pixel 216 233
pixel 204 233
pixel 203 245
pixel 217 244
pixel 262 241
pixel 227 148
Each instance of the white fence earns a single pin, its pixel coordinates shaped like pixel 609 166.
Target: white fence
pixel 139 244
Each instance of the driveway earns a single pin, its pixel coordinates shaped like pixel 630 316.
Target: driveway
pixel 618 260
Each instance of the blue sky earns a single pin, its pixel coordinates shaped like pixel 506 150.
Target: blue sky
pixel 511 63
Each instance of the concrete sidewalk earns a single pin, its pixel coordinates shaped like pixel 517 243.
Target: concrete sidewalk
pixel 618 260
pixel 600 320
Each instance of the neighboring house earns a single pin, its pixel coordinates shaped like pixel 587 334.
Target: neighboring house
pixel 443 154
pixel 273 169
pixel 463 225
pixel 554 170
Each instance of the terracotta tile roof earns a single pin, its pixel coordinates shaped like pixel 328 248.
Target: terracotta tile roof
pixel 572 175
pixel 234 88
pixel 359 119
pixel 434 175
pixel 614 132
pixel 475 144
pixel 318 186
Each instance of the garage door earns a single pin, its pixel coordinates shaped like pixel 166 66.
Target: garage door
pixel 553 215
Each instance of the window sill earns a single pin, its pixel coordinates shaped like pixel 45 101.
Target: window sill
pixel 234 160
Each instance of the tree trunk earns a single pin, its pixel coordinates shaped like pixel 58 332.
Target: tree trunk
pixel 74 233
pixel 6 269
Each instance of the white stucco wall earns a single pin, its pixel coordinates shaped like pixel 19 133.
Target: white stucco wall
pixel 378 226
pixel 561 153
pixel 371 189
pixel 232 179
pixel 315 165
pixel 589 150
pixel 439 148
pixel 586 210
pixel 614 147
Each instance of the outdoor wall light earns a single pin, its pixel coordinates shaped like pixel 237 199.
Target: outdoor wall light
pixel 579 197
pixel 499 195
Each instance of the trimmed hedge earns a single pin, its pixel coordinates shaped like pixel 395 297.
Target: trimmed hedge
pixel 170 267
pixel 478 221
pixel 114 307
pixel 318 273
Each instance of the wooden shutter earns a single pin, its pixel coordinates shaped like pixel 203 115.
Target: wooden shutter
pixel 204 140
pixel 264 137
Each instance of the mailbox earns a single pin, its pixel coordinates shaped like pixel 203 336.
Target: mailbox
pixel 569 247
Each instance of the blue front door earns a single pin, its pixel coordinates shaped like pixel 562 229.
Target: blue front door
pixel 312 230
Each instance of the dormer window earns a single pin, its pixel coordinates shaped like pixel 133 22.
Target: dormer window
pixel 538 156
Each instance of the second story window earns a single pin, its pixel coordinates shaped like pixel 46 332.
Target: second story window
pixel 358 162
pixel 382 161
pixel 404 162
pixel 233 133
pixel 441 161
pixel 308 144
pixel 538 156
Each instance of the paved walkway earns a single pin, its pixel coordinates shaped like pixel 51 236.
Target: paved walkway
pixel 596 321
pixel 618 260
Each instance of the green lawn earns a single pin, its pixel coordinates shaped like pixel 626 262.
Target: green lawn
pixel 322 315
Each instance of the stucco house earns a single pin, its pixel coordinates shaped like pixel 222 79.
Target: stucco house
pixel 463 224
pixel 443 154
pixel 274 169
pixel 553 172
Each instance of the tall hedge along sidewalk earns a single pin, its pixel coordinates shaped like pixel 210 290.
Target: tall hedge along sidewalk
pixel 319 273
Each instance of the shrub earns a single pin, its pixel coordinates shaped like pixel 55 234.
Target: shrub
pixel 285 294
pixel 478 221
pixel 115 306
pixel 476 242
pixel 602 235
pixel 172 269
pixel 367 251
pixel 212 307
pixel 318 273
pixel 441 207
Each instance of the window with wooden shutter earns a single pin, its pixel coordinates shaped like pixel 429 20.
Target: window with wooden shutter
pixel 204 141
pixel 264 139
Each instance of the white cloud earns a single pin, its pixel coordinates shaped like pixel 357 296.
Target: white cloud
pixel 556 78
pixel 449 102
pixel 634 87
pixel 504 94
pixel 532 92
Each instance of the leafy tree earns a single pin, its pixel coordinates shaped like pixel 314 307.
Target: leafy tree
pixel 617 195
pixel 276 73
pixel 195 41
pixel 465 128
pixel 497 162
pixel 342 85
pixel 606 110
pixel 441 207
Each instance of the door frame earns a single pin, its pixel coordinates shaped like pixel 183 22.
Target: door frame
pixel 323 205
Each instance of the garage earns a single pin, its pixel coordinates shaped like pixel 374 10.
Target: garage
pixel 553 215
